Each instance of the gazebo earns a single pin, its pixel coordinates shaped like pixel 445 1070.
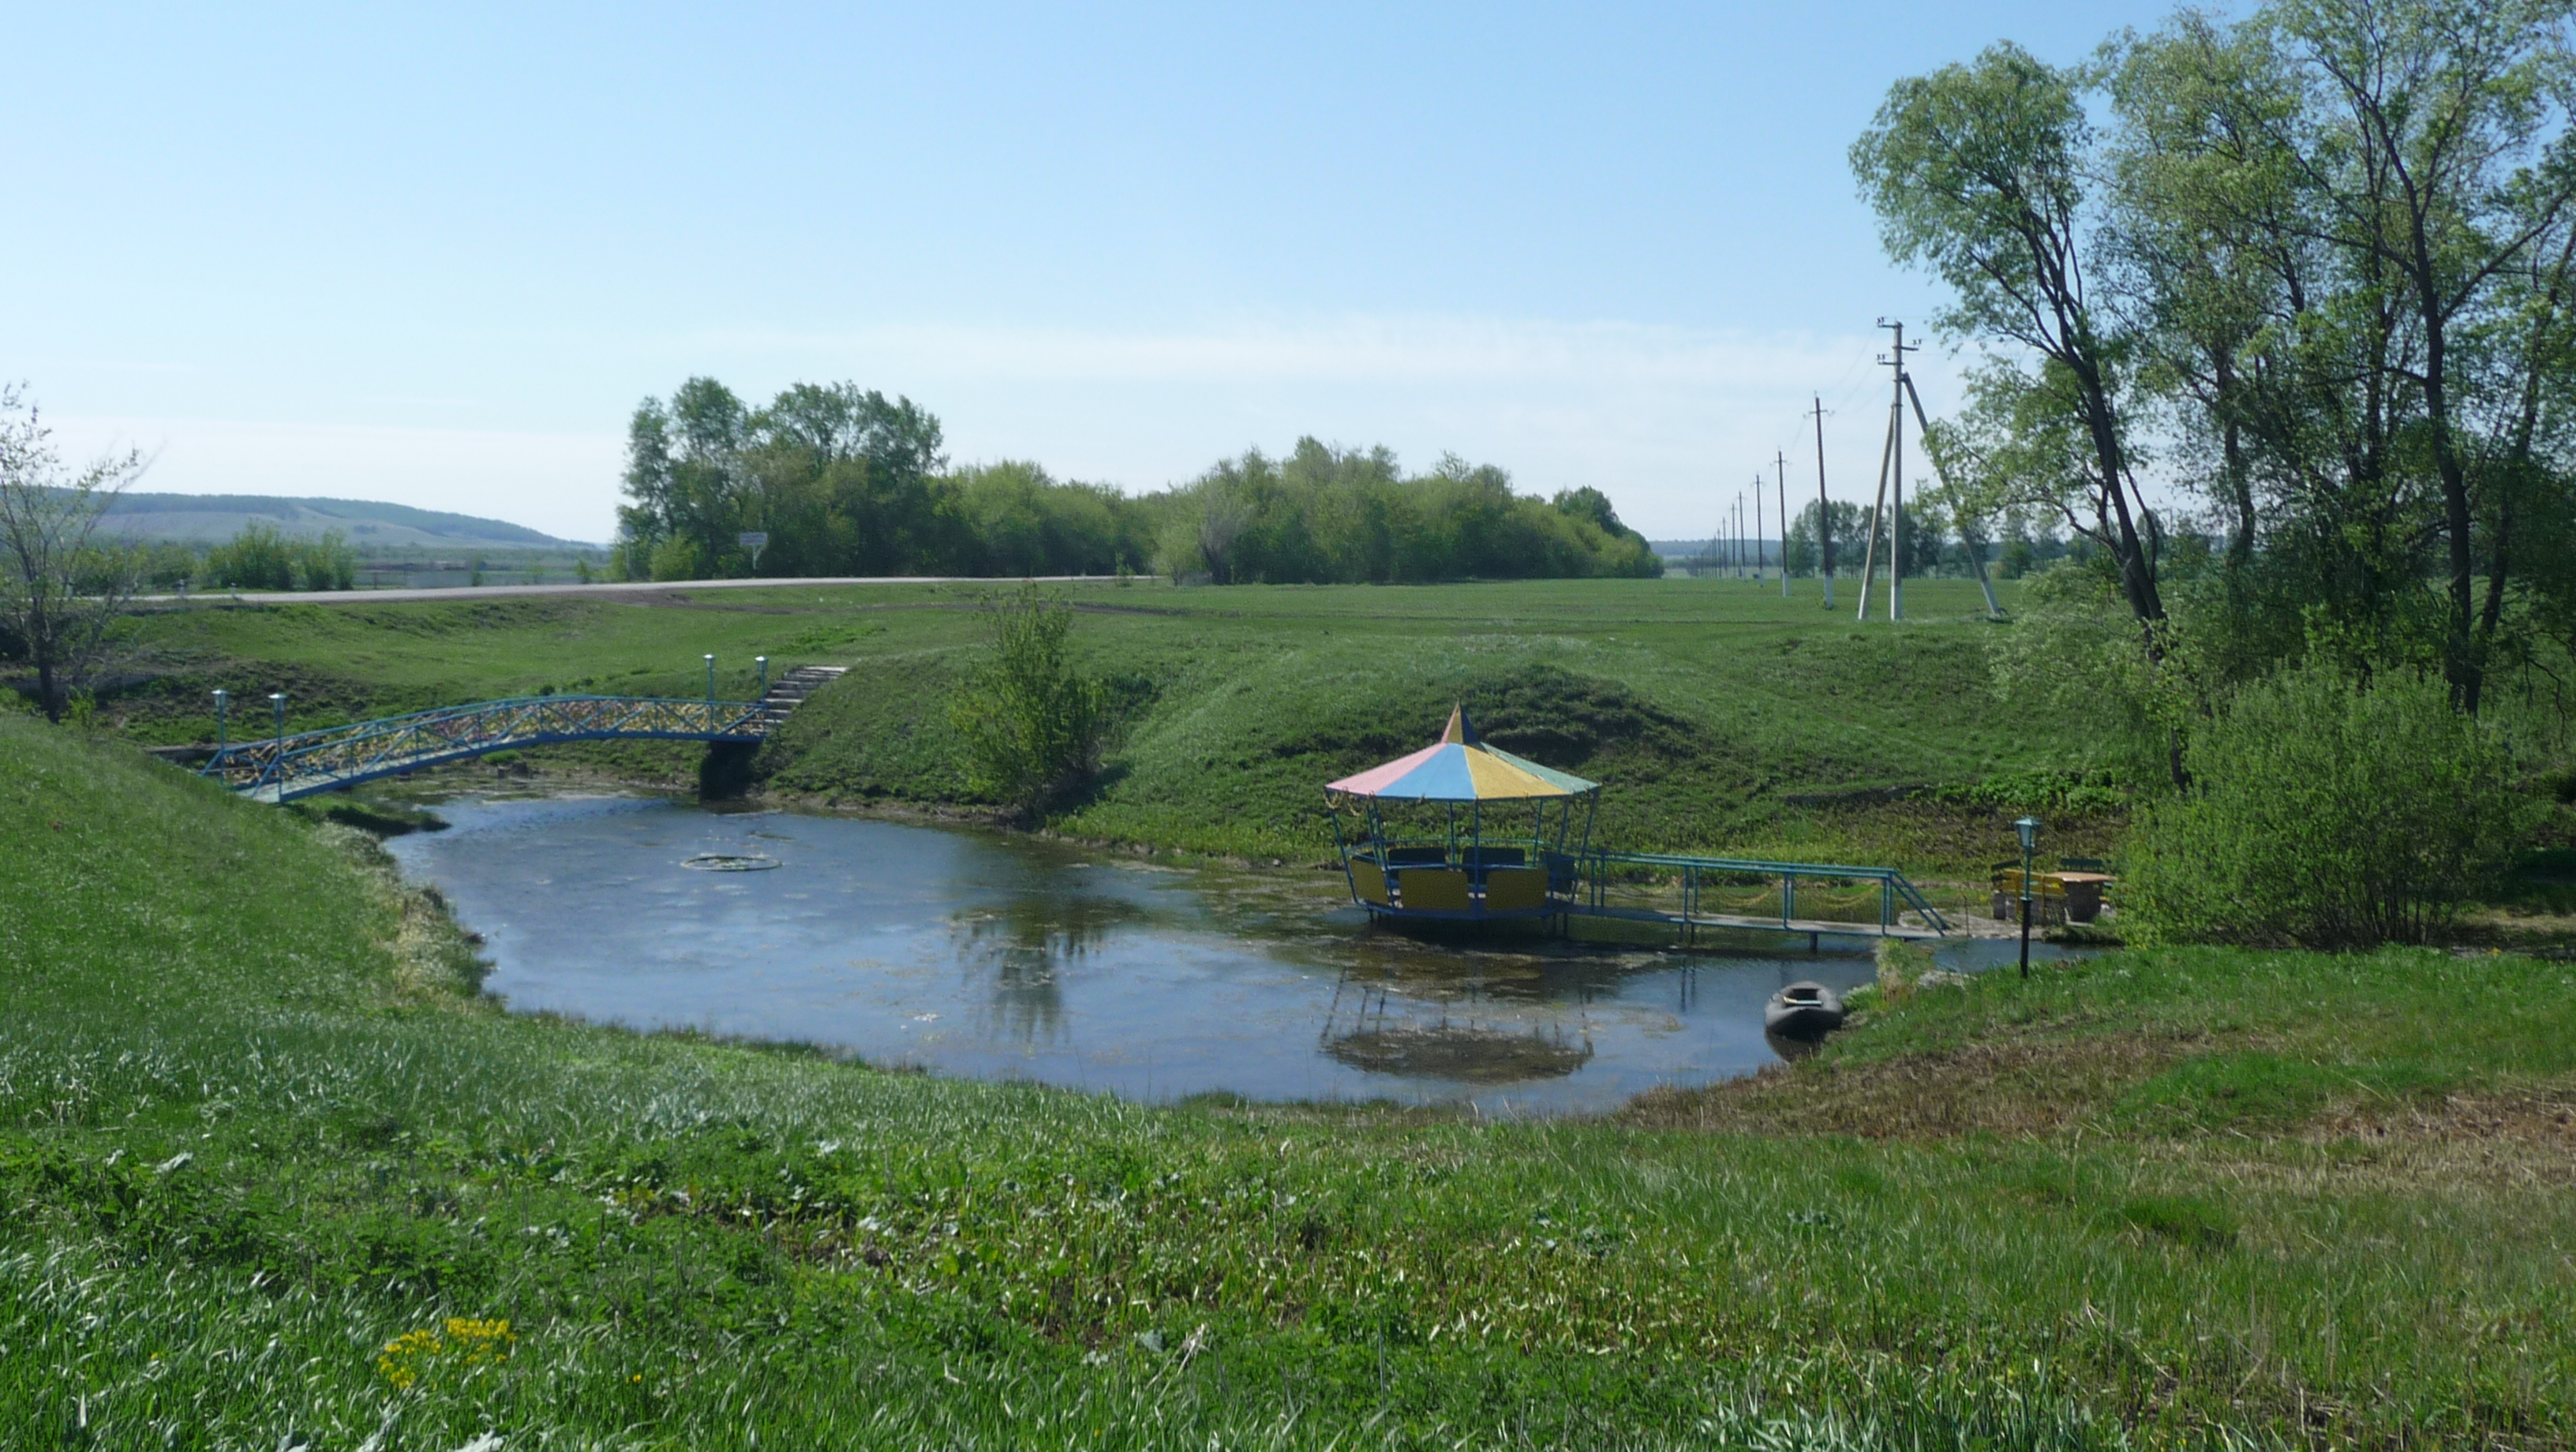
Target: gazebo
pixel 1461 831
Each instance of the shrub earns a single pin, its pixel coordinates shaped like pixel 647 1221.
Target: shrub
pixel 325 563
pixel 2326 814
pixel 676 558
pixel 1029 729
pixel 258 558
pixel 261 557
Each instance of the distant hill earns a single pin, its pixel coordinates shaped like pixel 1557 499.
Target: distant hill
pixel 1691 549
pixel 210 518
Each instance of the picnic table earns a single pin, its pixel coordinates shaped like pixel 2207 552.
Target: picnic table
pixel 2073 896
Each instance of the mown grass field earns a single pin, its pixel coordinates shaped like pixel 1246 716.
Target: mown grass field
pixel 270 1176
pixel 1721 717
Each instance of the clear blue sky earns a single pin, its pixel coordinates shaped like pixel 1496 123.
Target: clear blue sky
pixel 438 256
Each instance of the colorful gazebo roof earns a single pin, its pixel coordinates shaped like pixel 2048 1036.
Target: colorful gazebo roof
pixel 1460 768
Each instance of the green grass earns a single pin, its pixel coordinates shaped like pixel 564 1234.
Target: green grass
pixel 1722 718
pixel 254 1131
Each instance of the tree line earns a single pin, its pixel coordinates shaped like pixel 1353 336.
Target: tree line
pixel 844 481
pixel 1938 539
pixel 2273 316
pixel 2311 271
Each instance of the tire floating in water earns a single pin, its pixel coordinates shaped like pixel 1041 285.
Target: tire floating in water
pixel 730 862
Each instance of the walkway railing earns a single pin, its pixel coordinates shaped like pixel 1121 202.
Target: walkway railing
pixel 282 768
pixel 1895 894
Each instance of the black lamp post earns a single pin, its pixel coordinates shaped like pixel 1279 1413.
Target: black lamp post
pixel 2028 827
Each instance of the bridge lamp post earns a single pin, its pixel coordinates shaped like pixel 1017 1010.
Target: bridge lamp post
pixel 223 721
pixel 277 759
pixel 2028 827
pixel 711 693
pixel 763 662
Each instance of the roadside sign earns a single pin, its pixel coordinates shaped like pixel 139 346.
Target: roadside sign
pixel 752 539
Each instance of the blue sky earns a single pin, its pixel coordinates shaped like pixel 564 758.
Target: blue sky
pixel 436 255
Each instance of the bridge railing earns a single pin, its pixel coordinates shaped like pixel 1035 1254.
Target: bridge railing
pixel 284 767
pixel 1698 874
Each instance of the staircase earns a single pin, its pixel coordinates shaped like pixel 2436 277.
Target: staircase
pixel 789 691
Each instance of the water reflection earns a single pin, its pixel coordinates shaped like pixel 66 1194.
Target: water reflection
pixel 1374 1027
pixel 980 955
pixel 1025 946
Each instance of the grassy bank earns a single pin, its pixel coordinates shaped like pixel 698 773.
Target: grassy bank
pixel 1721 717
pixel 272 1177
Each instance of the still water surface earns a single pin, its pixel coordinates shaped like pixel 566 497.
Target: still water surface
pixel 976 954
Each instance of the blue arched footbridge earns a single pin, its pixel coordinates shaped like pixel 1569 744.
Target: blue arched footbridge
pixel 282 768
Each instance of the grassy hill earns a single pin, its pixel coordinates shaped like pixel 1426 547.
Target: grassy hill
pixel 1720 716
pixel 273 1178
pixel 212 518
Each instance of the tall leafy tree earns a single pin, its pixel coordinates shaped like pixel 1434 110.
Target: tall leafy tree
pixel 2443 156
pixel 1979 172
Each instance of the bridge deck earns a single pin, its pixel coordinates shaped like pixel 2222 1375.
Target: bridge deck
pixel 283 768
pixel 1759 924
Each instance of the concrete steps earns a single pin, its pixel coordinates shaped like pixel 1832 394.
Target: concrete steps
pixel 789 691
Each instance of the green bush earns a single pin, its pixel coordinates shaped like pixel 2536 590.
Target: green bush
pixel 325 564
pixel 258 558
pixel 676 558
pixel 1029 729
pixel 2329 815
pixel 263 558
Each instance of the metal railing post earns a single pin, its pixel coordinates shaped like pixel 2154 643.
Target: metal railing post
pixel 277 756
pixel 711 695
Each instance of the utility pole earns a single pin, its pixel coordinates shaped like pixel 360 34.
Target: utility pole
pixel 1976 554
pixel 1757 529
pixel 1780 472
pixel 1896 446
pixel 1824 511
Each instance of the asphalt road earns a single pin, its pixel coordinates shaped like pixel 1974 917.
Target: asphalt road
pixel 621 587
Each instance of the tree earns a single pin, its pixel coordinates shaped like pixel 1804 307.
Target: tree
pixel 1979 173
pixel 1030 729
pixel 2443 155
pixel 1802 549
pixel 839 477
pixel 2343 230
pixel 62 587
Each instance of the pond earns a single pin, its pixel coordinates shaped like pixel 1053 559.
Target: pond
pixel 984 955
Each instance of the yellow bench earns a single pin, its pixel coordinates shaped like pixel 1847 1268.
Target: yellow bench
pixel 1369 880
pixel 1515 889
pixel 1431 889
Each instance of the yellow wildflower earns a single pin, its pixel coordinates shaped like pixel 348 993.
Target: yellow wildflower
pixel 466 1340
